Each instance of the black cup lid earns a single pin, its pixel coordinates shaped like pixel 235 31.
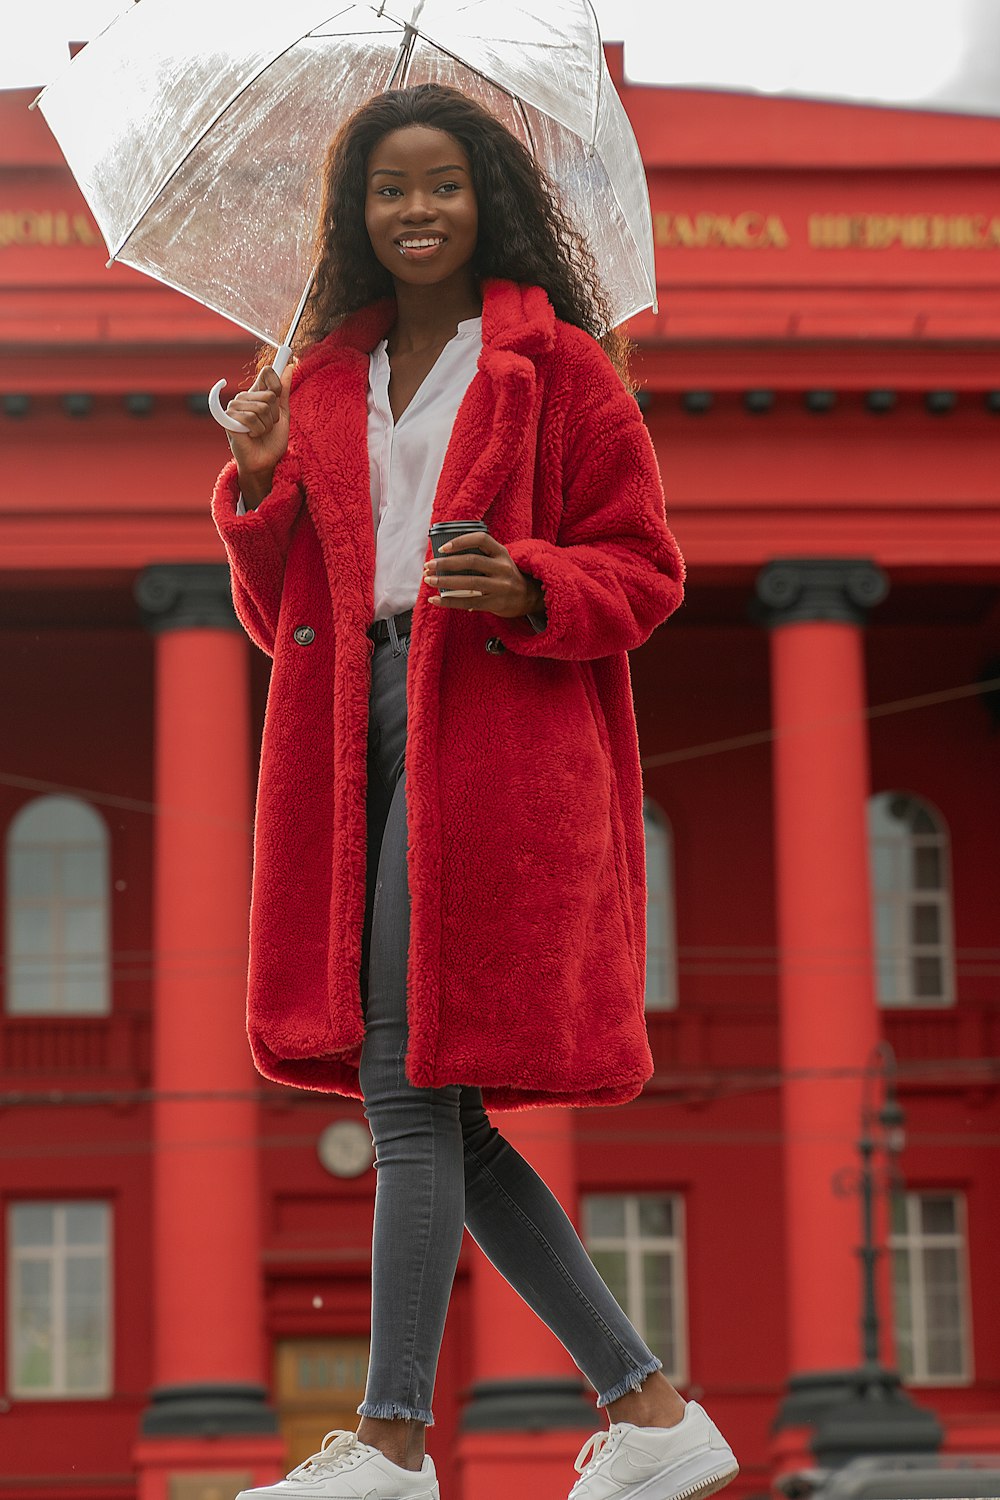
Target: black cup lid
pixel 456 526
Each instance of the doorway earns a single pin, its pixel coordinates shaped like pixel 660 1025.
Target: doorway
pixel 319 1385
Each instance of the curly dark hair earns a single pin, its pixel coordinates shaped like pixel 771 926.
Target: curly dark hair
pixel 524 235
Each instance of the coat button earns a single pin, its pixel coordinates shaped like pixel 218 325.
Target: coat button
pixel 495 645
pixel 304 635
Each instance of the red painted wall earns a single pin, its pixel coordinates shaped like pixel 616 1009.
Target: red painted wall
pixel 79 717
pixel 86 503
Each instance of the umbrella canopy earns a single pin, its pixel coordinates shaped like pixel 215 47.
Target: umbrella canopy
pixel 197 134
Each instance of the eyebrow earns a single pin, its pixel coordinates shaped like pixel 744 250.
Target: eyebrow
pixel 394 172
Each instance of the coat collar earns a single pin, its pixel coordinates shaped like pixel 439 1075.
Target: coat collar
pixel 516 319
pixel 493 425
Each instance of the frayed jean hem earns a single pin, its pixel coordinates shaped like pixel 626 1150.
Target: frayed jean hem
pixel 387 1411
pixel 631 1382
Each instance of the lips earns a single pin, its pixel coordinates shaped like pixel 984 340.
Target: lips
pixel 420 246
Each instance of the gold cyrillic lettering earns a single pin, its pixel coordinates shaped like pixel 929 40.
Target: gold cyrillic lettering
pixel 749 230
pixel 26 227
pixel 829 231
pixel 684 232
pixel 904 231
pixel 753 230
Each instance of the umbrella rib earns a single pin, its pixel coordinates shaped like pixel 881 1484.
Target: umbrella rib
pixel 478 73
pixel 527 122
pixel 600 73
pixel 224 109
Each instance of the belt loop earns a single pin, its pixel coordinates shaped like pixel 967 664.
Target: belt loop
pixel 394 638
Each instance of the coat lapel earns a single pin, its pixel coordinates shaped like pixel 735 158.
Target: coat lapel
pixel 495 418
pixel 331 430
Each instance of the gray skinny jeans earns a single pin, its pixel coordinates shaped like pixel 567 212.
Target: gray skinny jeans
pixel 440 1163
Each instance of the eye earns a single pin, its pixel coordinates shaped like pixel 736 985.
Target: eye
pixel 388 191
pixel 449 187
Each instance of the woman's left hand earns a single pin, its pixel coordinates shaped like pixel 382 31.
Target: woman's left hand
pixel 501 588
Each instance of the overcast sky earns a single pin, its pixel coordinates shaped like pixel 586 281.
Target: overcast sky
pixel 945 53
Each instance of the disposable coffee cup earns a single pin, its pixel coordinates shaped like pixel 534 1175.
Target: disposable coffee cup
pixel 447 531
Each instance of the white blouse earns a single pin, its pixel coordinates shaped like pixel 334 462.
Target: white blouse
pixel 405 460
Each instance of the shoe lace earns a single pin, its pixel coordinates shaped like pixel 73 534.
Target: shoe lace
pixel 592 1451
pixel 340 1449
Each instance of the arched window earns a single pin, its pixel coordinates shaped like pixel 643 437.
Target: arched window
pixel 661 939
pixel 908 847
pixel 57 910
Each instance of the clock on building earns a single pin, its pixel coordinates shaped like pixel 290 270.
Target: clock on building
pixel 345 1148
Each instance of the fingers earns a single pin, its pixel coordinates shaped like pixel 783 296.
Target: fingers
pixel 285 383
pixel 492 583
pixel 259 414
pixel 454 562
pixel 481 539
pixel 267 380
pixel 456 581
pixel 260 408
pixel 466 600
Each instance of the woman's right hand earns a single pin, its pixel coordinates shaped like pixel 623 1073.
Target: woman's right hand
pixel 263 409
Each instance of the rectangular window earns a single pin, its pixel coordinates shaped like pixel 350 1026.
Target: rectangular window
pixel 59 1299
pixel 661 938
pixel 58 936
pixel 636 1241
pixel 908 847
pixel 930 1288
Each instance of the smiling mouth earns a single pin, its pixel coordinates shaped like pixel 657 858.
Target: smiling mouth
pixel 420 247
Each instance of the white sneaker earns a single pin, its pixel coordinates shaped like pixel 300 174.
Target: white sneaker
pixel 345 1469
pixel 685 1462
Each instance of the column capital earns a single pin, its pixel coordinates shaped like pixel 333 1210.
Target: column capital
pixel 185 596
pixel 793 590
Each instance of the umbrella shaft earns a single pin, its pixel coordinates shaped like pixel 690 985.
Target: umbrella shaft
pixel 401 67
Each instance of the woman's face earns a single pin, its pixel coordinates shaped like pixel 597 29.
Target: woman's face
pixel 420 206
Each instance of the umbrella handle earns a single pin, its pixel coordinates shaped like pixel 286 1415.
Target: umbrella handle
pixel 281 358
pixel 222 417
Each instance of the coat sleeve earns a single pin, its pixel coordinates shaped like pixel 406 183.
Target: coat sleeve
pixel 614 572
pixel 257 545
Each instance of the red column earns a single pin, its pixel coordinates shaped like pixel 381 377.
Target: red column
pixel 208 1409
pixel 527 1415
pixel 829 1022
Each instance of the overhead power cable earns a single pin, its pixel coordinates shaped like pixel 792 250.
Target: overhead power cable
pixel 668 757
pixel 766 736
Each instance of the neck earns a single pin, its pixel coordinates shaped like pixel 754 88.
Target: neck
pixel 427 316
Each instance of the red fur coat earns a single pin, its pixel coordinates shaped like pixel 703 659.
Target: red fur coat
pixel 525 857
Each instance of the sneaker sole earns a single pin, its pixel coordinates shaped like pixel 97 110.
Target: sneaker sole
pixel 688 1481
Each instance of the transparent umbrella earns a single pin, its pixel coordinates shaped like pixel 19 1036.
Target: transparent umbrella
pixel 197 133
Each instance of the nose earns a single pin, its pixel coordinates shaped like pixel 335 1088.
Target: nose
pixel 418 210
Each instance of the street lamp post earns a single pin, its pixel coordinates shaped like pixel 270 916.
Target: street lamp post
pixel 890 1121
pixel 878 1415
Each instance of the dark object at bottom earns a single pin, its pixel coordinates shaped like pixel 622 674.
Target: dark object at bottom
pixel 916 1477
pixel 527 1406
pixel 207 1410
pixel 877 1417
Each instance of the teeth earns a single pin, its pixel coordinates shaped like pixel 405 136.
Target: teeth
pixel 419 244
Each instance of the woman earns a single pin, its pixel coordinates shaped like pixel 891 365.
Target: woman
pixel 449 894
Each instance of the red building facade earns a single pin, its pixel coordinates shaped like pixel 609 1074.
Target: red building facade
pixel 818 728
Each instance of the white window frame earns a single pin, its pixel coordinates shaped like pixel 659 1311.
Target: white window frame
pixel 666 999
pixel 635 1244
pixel 899 901
pixel 58 1254
pixel 57 964
pixel 913 1241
